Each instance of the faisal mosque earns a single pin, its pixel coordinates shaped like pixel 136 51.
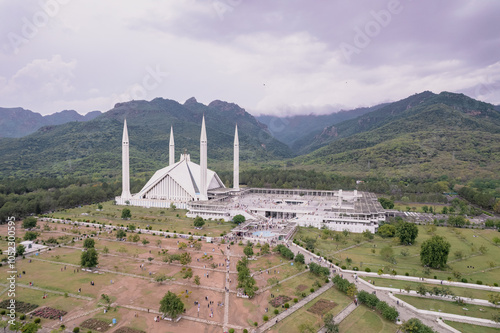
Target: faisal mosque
pixel 194 187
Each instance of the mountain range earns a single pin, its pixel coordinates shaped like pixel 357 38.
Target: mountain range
pixel 19 122
pixel 425 135
pixel 94 146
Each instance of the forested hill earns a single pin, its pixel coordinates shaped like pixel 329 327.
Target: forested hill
pixel 18 122
pixel 424 135
pixel 94 147
pixel 293 130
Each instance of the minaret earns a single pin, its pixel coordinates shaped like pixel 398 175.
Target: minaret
pixel 236 162
pixel 125 166
pixel 203 161
pixel 171 153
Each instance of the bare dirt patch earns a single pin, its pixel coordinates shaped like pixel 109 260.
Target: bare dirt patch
pixel 280 300
pixel 322 306
pixel 302 287
pixel 95 325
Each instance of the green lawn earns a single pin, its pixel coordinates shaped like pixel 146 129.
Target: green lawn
pixel 473 266
pixel 302 318
pixel 363 319
pixel 477 311
pixel 157 218
pixel 458 291
pixel 468 328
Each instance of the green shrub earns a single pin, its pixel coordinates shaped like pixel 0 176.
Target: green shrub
pixel 276 311
pixel 231 330
pixel 287 305
pixel 407 274
pixel 76 330
pixel 479 282
pixel 295 300
pixel 255 324
pixel 464 280
pixel 355 268
pixel 3 312
pixel 495 284
pixel 245 330
pixel 22 317
pixel 311 290
pixel 265 318
pixel 368 270
pixel 37 320
pixel 343 267
pixel 303 294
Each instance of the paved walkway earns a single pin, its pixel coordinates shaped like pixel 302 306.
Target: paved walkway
pixel 341 316
pixel 294 308
pixel 226 295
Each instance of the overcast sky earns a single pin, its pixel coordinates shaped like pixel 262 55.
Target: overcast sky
pixel 270 57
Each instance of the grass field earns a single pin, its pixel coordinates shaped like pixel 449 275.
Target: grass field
pixel 417 207
pixel 474 265
pixel 468 328
pixel 458 291
pixel 303 319
pixel 158 218
pixel 477 311
pixel 363 319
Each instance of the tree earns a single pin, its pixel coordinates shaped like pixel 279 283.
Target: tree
pixel 387 230
pixel 330 326
pixel 15 326
pixel 4 324
pixel 434 252
pixel 414 325
pixel 99 206
pixel 199 222
pixel 299 258
pixel 29 222
pixel 197 280
pixel 387 253
pixel 88 243
pixel 161 278
pixel 182 246
pixel 407 232
pixel 386 203
pixel 185 258
pixel 496 208
pixel 105 250
pixel 89 258
pixel 238 219
pixel 136 238
pixel 367 234
pixel 145 242
pixel 171 305
pixel 121 234
pixel 126 214
pixel 20 249
pixel 30 235
pixel 494 298
pixel 131 227
pixel 265 249
pixel 248 251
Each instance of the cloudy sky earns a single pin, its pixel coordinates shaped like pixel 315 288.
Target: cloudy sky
pixel 269 56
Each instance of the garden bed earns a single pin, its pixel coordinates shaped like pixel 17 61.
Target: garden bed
pixel 49 313
pixel 95 325
pixel 322 306
pixel 21 307
pixel 280 300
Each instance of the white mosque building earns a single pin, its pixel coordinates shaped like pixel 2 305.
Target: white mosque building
pixel 194 187
pixel 180 182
